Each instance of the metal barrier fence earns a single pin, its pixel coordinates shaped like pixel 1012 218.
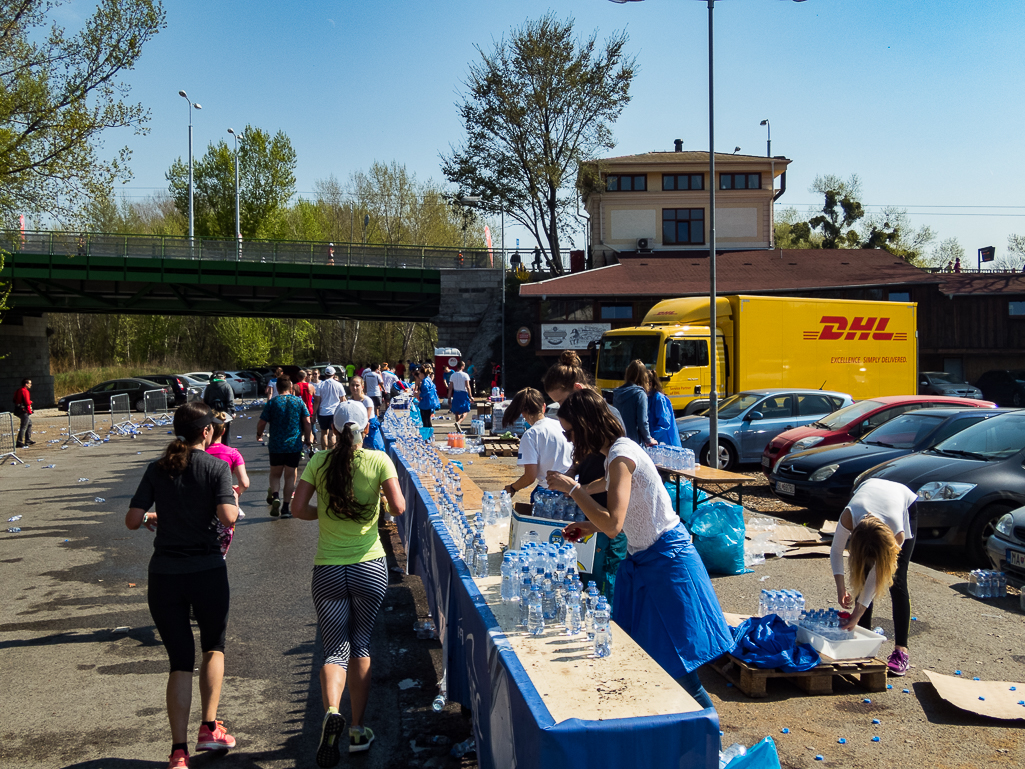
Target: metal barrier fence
pixel 8 438
pixel 82 422
pixel 120 413
pixel 155 406
pixel 264 251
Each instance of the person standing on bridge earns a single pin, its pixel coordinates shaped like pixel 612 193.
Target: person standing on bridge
pixel 350 571
pixel 190 488
pixel 331 254
pixel 290 423
pixel 23 410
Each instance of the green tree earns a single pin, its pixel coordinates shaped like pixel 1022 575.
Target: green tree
pixel 891 229
pixel 266 184
pixel 840 212
pixel 947 252
pixel 58 93
pixel 246 339
pixel 1015 256
pixel 537 106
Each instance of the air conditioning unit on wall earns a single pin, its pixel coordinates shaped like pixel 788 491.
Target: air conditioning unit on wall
pixel 644 244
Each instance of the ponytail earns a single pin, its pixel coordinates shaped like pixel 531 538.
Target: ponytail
pixel 186 432
pixel 341 496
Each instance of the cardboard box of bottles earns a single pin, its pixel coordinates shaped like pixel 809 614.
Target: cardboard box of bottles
pixel 524 527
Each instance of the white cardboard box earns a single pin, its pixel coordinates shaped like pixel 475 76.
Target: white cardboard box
pixel 864 644
pixel 527 528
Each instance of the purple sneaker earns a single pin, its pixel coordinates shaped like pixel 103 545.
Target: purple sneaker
pixel 898 663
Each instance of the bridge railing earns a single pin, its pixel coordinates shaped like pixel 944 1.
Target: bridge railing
pixel 263 251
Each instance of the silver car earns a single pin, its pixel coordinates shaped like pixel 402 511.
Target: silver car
pixel 750 419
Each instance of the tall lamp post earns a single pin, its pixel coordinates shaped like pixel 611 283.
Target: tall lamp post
pixel 713 396
pixel 238 219
pixel 192 216
pixel 768 154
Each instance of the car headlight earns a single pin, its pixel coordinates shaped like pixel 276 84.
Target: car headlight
pixel 823 472
pixel 944 491
pixel 1005 524
pixel 686 436
pixel 806 443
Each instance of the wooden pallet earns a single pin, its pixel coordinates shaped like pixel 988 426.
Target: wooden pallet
pixel 500 449
pixel 869 673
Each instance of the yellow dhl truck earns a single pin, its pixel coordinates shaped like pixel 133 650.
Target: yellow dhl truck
pixel 862 348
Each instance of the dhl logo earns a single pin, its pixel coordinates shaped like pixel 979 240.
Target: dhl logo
pixel 837 327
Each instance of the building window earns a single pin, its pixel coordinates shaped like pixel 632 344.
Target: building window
pixel 740 181
pixel 900 296
pixel 626 183
pixel 617 312
pixel 567 310
pixel 1016 309
pixel 683 181
pixel 683 226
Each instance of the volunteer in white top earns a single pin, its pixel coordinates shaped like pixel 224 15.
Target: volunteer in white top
pixel 372 383
pixel 543 446
pixel 330 392
pixel 878 528
pixel 388 378
pixel 459 391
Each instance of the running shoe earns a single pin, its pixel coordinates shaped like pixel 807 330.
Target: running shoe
pixel 328 753
pixel 898 663
pixel 360 740
pixel 218 739
pixel 275 507
pixel 285 511
pixel 178 760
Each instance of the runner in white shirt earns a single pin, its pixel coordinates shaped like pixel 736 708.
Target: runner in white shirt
pixel 372 383
pixel 459 393
pixel 388 378
pixel 543 446
pixel 330 392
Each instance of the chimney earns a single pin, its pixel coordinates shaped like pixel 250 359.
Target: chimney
pixel 679 144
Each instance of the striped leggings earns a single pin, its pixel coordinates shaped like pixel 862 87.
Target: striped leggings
pixel 347 599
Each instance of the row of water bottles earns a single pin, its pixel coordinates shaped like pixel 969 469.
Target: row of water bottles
pixel 985 583
pixel 826 623
pixel 672 457
pixel 496 509
pixel 556 506
pixel 786 604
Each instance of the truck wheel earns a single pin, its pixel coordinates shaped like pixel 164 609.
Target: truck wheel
pixel 981 529
pixel 727 456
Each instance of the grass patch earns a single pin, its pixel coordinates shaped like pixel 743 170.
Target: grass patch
pixel 67 380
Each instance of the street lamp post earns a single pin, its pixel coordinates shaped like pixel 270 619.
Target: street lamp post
pixel 192 217
pixel 238 219
pixel 772 171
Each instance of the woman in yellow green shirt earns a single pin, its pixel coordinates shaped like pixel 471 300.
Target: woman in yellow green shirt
pixel 350 575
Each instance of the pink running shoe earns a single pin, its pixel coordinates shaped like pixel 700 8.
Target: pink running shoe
pixel 898 662
pixel 178 760
pixel 218 739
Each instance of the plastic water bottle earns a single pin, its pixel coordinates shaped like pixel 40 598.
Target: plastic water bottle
pixel 535 613
pixel 480 561
pixel 507 578
pixel 574 612
pixel 789 606
pixel 490 518
pixel 602 632
pixel 524 593
pixel 548 599
pixel 468 551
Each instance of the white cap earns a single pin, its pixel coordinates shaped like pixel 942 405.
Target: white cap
pixel 351 413
pixel 330 371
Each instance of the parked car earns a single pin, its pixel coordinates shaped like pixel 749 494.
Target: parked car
pixel 101 394
pixel 1006 548
pixel 176 383
pixel 822 478
pixel 192 382
pixel 942 383
pixel 965 484
pixel 1005 387
pixel 749 420
pixel 200 376
pixel 852 422
pixel 240 385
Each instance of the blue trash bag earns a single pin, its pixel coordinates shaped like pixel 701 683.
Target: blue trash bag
pixel 761 755
pixel 427 433
pixel 414 417
pixel 769 642
pixel 718 531
pixel 374 439
pixel 684 506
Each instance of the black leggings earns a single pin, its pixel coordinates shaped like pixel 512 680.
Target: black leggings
pixel 425 417
pixel 171 596
pixel 900 598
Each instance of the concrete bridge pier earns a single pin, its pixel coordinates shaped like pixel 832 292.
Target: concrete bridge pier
pixel 470 315
pixel 25 348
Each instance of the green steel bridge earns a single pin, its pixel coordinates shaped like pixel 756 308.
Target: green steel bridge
pixel 154 275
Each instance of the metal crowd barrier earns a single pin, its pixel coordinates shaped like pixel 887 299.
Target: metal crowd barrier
pixel 155 405
pixel 82 422
pixel 121 413
pixel 9 438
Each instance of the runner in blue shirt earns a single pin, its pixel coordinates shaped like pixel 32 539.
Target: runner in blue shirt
pixel 290 423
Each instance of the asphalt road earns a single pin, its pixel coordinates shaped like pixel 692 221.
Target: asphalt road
pixel 77 693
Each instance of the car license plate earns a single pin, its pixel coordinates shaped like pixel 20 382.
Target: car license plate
pixel 765 461
pixel 785 488
pixel 1016 558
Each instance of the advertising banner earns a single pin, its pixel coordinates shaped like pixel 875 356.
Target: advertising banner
pixel 571 336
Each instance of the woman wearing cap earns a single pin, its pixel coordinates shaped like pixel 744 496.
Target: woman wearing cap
pixel 350 574
pixel 190 489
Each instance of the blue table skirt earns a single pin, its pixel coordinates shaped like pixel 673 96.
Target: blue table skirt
pixel 512 725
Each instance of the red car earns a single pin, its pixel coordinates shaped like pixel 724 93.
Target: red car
pixel 851 422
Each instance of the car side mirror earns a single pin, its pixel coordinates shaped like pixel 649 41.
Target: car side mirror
pixel 754 415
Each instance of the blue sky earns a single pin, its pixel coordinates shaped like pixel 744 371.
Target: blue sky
pixel 922 99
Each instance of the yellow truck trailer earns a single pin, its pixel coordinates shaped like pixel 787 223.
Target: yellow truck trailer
pixel 862 348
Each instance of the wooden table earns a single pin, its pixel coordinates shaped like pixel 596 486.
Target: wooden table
pixel 714 482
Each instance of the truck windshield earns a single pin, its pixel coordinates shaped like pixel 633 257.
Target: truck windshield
pixel 617 352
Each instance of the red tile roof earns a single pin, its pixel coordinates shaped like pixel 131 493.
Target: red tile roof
pixel 737 272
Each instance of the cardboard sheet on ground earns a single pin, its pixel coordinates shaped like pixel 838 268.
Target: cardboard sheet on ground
pixel 998 701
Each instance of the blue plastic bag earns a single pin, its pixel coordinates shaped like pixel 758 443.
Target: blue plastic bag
pixel 762 755
pixel 718 531
pixel 684 506
pixel 769 642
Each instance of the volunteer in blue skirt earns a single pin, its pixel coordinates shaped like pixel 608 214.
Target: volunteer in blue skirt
pixel 459 391
pixel 427 394
pixel 664 599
